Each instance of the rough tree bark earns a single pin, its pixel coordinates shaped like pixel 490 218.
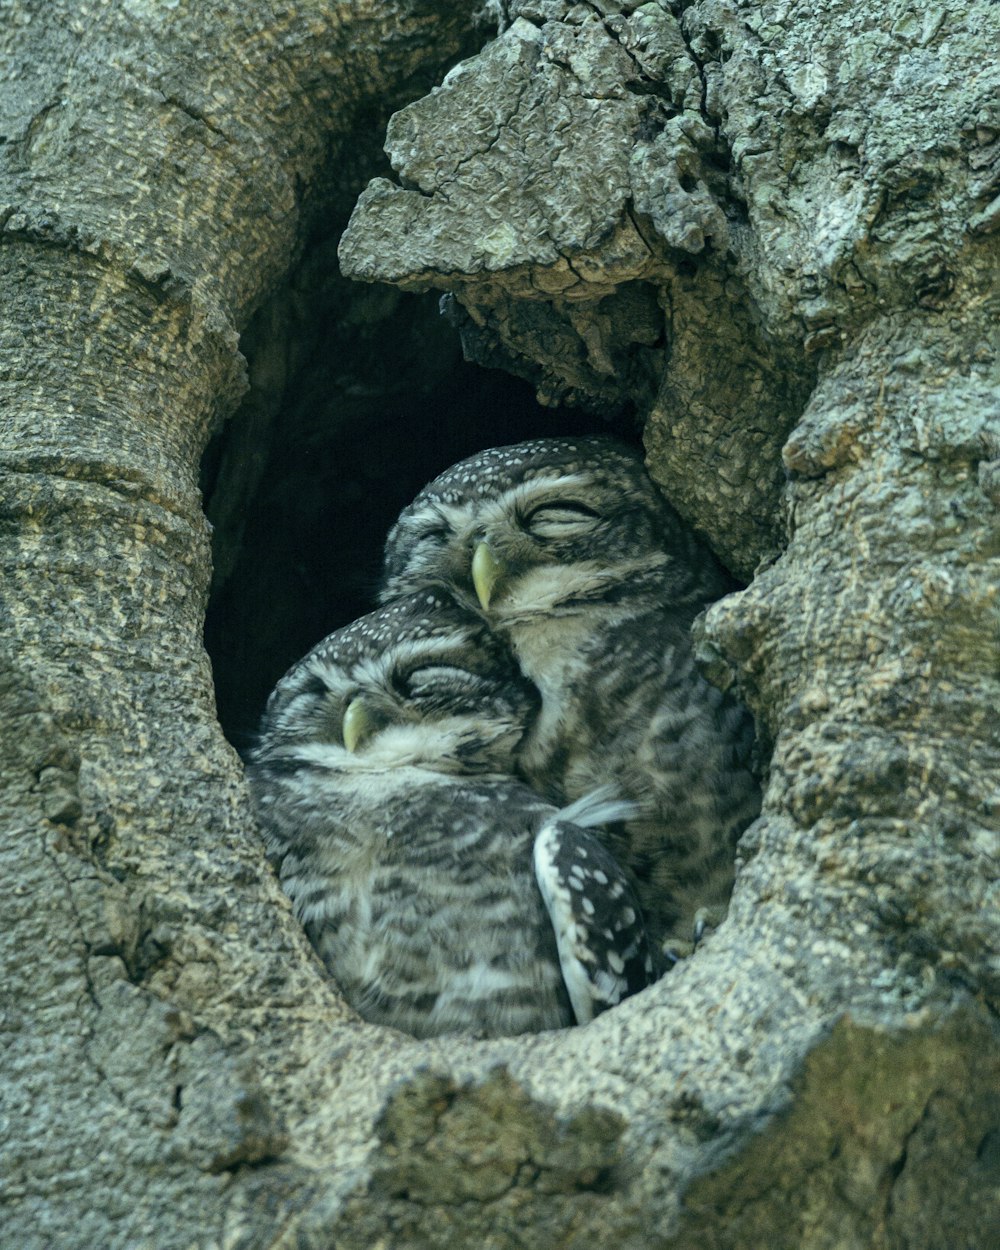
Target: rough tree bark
pixel 768 230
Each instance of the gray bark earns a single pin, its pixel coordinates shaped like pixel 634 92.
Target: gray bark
pixel 767 230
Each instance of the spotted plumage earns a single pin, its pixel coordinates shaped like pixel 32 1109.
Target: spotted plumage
pixel 442 894
pixel 574 559
pixel 600 933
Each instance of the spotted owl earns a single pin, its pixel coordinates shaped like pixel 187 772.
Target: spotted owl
pixel 572 556
pixel 442 894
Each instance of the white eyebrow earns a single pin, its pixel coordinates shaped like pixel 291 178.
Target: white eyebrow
pixel 374 669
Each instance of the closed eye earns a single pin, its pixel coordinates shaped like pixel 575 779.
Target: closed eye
pixel 436 536
pixel 565 518
pixel 436 680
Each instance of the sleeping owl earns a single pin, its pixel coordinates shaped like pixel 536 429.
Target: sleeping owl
pixel 442 894
pixel 573 558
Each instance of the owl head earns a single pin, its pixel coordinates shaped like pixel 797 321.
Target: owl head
pixel 548 527
pixel 420 681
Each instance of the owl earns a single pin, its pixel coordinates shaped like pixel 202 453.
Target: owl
pixel 575 560
pixel 441 893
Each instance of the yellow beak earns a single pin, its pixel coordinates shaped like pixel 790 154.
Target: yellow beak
pixel 487 573
pixel 358 725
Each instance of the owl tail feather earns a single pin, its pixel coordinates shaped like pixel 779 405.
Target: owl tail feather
pixel 601 806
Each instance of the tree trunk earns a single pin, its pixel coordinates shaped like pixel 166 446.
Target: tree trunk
pixel 765 233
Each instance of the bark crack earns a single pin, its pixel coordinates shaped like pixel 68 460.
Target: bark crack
pixel 116 479
pixel 502 125
pixel 898 1165
pixel 699 64
pixel 195 114
pixel 90 989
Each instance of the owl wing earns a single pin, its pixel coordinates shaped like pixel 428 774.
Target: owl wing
pixel 600 932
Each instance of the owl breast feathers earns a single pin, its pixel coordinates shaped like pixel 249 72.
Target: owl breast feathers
pixel 442 893
pixel 569 554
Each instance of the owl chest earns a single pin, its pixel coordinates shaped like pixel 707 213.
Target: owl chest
pixel 622 702
pixel 421 861
pixel 443 929
pixel 595 687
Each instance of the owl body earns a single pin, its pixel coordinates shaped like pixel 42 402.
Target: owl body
pixel 671 742
pixel 430 880
pixel 575 560
pixel 390 916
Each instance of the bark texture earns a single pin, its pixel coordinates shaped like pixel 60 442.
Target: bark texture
pixel 766 230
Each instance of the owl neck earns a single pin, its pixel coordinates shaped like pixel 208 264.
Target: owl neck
pixel 558 654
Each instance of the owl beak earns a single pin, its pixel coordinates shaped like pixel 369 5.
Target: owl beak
pixel 487 573
pixel 358 725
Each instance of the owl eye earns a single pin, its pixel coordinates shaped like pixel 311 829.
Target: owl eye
pixel 433 537
pixel 432 675
pixel 440 685
pixel 563 519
